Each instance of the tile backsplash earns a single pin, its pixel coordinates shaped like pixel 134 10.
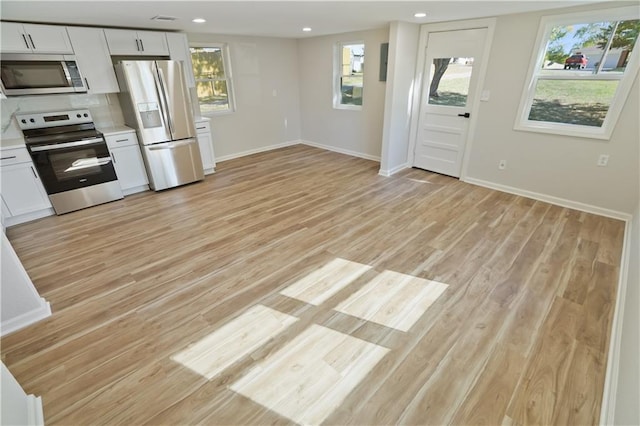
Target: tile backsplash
pixel 105 110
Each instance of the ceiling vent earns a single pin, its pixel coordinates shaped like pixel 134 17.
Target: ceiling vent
pixel 163 18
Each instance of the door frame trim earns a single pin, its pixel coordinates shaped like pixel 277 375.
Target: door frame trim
pixel 489 24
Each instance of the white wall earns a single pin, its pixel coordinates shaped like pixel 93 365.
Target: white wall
pixel 557 166
pixel 20 303
pixel 265 84
pixel 16 407
pixel 627 404
pixel 355 132
pixel 401 65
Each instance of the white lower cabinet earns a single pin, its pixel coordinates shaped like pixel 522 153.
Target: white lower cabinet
pixel 23 196
pixel 127 160
pixel 203 134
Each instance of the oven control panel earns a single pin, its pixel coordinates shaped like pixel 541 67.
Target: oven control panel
pixel 40 120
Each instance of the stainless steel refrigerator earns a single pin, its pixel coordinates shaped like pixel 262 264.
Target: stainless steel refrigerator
pixel 155 101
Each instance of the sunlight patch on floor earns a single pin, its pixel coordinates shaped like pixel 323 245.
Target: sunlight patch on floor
pixel 309 378
pixel 420 181
pixel 233 341
pixel 321 284
pixel 393 299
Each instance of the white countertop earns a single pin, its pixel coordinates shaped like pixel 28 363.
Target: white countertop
pixel 115 130
pixel 13 143
pixel 200 119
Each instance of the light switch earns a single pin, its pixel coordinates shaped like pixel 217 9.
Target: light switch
pixel 484 96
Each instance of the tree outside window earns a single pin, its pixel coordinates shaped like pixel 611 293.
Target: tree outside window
pixel 212 79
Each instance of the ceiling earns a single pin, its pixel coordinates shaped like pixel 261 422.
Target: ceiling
pixel 262 18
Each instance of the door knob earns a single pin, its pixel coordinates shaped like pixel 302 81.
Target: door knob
pixel 465 115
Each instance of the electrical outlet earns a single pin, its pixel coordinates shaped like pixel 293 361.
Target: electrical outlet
pixel 603 160
pixel 502 164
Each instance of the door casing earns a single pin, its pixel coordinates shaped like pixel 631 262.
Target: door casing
pixel 420 77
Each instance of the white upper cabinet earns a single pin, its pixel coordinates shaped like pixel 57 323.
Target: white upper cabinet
pixel 14 40
pixel 153 43
pixel 179 51
pixel 33 38
pixel 131 42
pixel 92 56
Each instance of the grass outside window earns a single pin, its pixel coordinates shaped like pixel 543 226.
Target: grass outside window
pixel 583 103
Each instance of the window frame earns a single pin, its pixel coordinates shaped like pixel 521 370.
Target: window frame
pixel 625 80
pixel 337 75
pixel 226 63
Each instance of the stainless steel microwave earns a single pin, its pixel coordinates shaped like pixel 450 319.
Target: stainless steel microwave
pixel 29 74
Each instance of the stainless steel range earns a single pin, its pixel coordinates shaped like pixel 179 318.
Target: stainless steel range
pixel 72 159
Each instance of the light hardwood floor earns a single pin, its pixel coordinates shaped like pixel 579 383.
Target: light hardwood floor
pixel 515 331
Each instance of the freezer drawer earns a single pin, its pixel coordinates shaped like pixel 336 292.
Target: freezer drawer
pixel 172 164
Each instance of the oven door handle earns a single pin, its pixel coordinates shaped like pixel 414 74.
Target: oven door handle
pixel 66 145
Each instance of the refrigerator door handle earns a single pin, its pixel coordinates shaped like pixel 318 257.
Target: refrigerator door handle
pixel 164 100
pixel 161 98
pixel 171 145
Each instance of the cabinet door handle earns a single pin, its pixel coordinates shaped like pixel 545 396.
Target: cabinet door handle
pixel 137 45
pixel 25 41
pixel 200 128
pixel 34 172
pixel 113 157
pixel 87 83
pixel 8 158
pixel 32 43
pixel 122 140
pixel 141 45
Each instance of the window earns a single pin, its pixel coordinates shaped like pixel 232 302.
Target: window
pixel 213 78
pixel 349 76
pixel 581 73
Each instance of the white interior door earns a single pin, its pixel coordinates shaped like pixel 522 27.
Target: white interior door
pixel 452 61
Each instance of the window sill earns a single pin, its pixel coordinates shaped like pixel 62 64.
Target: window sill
pixel 565 130
pixel 216 114
pixel 348 107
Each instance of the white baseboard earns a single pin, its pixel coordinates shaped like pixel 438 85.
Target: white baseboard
pixel 340 150
pixel 41 312
pixel 390 172
pixel 551 199
pixel 256 151
pixel 608 406
pixel 135 190
pixel 35 415
pixel 28 217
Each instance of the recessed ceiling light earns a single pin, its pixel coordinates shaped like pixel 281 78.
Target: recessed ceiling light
pixel 306 29
pixel 420 15
pixel 199 20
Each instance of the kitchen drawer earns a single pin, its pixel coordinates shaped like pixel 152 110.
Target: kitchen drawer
pixel 17 155
pixel 202 126
pixel 121 139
